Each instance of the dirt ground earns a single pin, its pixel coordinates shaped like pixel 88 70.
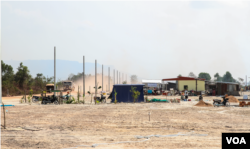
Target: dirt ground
pixel 76 125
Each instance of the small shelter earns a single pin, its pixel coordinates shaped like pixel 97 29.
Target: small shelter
pixel 189 83
pixel 223 88
pixel 124 94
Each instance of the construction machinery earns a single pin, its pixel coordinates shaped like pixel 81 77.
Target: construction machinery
pixel 68 85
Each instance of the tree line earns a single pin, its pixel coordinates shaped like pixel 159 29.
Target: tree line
pixel 227 77
pixel 20 82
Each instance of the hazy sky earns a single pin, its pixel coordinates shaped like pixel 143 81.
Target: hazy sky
pixel 153 40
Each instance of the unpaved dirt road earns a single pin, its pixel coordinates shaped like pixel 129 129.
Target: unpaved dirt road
pixel 68 126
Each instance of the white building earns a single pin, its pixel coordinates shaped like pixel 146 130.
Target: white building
pixel 159 84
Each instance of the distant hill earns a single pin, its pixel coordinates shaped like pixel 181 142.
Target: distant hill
pixel 63 67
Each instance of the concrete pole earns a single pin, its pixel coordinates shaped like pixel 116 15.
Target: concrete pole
pixel 95 78
pixel 55 70
pixel 117 77
pixel 102 78
pixel 1 81
pixel 83 75
pixel 109 80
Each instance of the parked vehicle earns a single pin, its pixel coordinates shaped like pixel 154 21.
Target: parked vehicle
pixel 50 99
pixel 101 99
pixel 218 102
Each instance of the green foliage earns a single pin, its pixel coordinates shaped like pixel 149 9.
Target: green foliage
pixel 16 83
pixel 204 75
pixel 29 99
pixel 179 75
pixel 99 87
pixel 228 77
pixel 89 92
pixel 22 100
pixel 22 75
pixel 71 100
pixel 115 93
pixel 97 101
pixel 124 82
pixel 218 77
pixel 7 76
pixel 31 92
pixel 135 93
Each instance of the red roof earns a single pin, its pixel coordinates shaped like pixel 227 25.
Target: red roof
pixel 183 78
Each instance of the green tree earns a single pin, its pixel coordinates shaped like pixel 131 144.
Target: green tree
pixel 179 75
pixel 228 77
pixel 204 75
pixel 22 76
pixel 218 77
pixel 7 76
pixel 135 93
pixel 40 81
pixel 124 82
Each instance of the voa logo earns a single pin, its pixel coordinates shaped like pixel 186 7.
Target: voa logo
pixel 236 140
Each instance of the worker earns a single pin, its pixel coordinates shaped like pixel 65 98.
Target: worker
pixel 182 97
pixel 213 92
pixel 67 96
pixel 200 97
pixel 186 95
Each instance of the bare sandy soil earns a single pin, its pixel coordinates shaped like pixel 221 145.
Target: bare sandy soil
pixel 68 126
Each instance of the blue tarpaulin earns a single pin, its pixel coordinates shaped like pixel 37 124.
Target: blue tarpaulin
pixel 124 94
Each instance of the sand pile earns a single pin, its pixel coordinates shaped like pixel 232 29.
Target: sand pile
pixel 232 99
pixel 203 104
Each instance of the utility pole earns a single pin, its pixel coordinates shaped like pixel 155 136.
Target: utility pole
pixel 0 71
pixel 246 80
pixel 102 77
pixel 55 70
pixel 109 80
pixel 95 80
pixel 83 76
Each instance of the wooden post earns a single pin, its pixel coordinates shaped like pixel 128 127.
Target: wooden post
pixel 149 115
pixel 25 95
pixel 4 126
pixel 61 94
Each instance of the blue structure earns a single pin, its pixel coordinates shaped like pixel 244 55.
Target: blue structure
pixel 124 94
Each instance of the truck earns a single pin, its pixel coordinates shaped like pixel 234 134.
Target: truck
pixel 68 85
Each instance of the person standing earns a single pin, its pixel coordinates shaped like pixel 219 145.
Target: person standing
pixel 186 95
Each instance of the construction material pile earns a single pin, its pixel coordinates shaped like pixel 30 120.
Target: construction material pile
pixel 201 103
pixel 243 103
pixel 232 99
